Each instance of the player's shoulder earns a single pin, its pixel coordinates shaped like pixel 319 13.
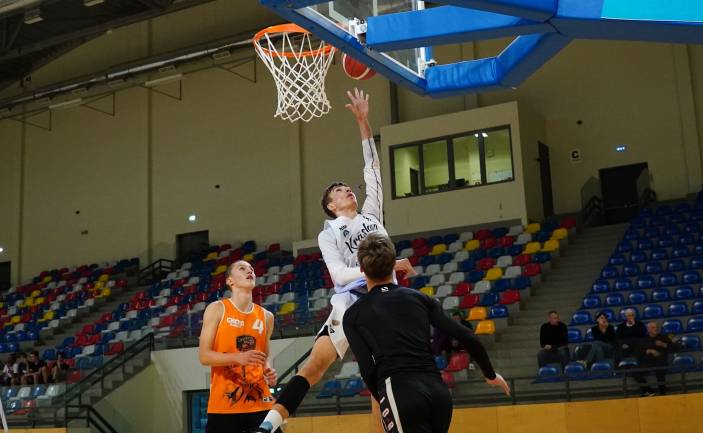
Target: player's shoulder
pixel 214 309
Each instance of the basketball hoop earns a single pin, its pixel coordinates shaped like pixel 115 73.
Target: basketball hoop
pixel 299 66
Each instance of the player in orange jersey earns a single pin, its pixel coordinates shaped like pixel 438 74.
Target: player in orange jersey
pixel 234 342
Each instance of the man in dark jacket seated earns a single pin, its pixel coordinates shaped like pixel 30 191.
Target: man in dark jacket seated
pixel 654 353
pixel 629 337
pixel 554 340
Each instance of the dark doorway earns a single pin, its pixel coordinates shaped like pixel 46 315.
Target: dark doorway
pixel 414 182
pixel 619 189
pixel 545 171
pixel 5 275
pixel 191 245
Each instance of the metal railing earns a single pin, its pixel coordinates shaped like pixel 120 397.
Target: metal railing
pixel 92 418
pixel 155 271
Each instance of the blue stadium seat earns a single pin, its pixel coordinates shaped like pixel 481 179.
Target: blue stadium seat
pixel 434 240
pixel 675 265
pixel 661 295
pixel 638 257
pixel 665 243
pixel 672 326
pixel 581 318
pixel 637 297
pixel 677 309
pixel 548 373
pixel 682 208
pixel 645 282
pixel 695 324
pixel 330 389
pixel 541 258
pixel 659 254
pixel 691 277
pixel 653 311
pixel 696 263
pixel 498 311
pixel 38 390
pixel 691 227
pixel 664 210
pixel 690 343
pixel 686 239
pixel 684 292
pixel 630 270
pixel 353 387
pixel 617 260
pixel 450 238
pixel 668 279
pixel 600 286
pixel 683 362
pixel 644 244
pixel 631 235
pixel 574 370
pixel 501 285
pixel 441 362
pixel 697 307
pixel 622 284
pixel 601 369
pixel 475 276
pixel 609 272
pixel 680 252
pixel 614 300
pixel 489 299
pixel 628 363
pixel 591 301
pixel 574 335
pixel 520 283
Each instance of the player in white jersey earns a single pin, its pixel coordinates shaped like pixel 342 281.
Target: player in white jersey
pixel 338 243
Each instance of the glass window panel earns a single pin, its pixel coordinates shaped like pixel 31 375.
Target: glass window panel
pixel 436 175
pixel 499 162
pixel 406 161
pixel 467 163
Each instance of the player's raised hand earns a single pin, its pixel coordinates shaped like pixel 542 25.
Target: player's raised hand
pixel 404 266
pixel 250 357
pixel 359 103
pixel 499 382
pixel 270 376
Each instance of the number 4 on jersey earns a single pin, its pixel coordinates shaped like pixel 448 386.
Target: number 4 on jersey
pixel 258 326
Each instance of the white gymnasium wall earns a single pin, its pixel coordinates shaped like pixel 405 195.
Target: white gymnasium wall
pixel 136 176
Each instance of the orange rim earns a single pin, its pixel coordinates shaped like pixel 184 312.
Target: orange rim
pixel 289 28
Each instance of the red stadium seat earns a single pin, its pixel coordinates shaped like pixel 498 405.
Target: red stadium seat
pixel 532 269
pixel 448 379
pixel 489 243
pixel 457 362
pixel 483 234
pixel 485 264
pixel 522 260
pixel 462 289
pixel 469 301
pixel 509 297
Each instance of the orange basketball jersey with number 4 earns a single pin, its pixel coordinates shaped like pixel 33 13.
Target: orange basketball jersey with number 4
pixel 236 388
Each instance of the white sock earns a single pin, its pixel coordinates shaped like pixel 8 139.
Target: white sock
pixel 272 421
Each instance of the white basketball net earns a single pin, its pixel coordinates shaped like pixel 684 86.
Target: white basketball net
pixel 299 69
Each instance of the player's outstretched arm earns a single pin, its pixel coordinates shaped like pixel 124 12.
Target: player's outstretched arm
pixel 211 318
pixel 359 106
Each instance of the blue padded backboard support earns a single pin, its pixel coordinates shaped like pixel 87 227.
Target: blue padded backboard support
pixel 542 27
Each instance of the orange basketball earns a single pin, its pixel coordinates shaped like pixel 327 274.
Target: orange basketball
pixel 355 69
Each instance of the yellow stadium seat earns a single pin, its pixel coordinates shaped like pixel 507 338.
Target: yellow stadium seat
pixel 478 313
pixel 550 246
pixel 428 290
pixel 48 316
pixel 106 292
pixel 473 244
pixel 532 247
pixel 99 285
pixel 438 249
pixel 533 228
pixel 486 327
pixel 560 234
pixel 39 300
pixel 286 308
pixel 104 278
pixel 494 274
pixel 15 320
pixel 46 279
pixel 28 302
pixel 248 257
pixel 35 293
pixel 219 270
pixel 212 256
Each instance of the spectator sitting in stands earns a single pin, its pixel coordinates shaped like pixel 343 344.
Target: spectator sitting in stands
pixel 554 340
pixel 603 340
pixel 442 344
pixel 654 352
pixel 629 336
pixel 59 371
pixel 20 368
pixel 36 370
pixel 8 371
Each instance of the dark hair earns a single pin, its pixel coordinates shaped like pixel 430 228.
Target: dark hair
pixel 601 313
pixel 552 312
pixel 377 256
pixel 35 353
pixel 326 197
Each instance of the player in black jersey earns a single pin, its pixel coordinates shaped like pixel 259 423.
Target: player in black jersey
pixel 389 332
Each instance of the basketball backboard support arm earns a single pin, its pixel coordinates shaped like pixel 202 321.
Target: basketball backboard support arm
pixel 542 28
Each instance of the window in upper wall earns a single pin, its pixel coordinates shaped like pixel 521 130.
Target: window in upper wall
pixel 459 161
